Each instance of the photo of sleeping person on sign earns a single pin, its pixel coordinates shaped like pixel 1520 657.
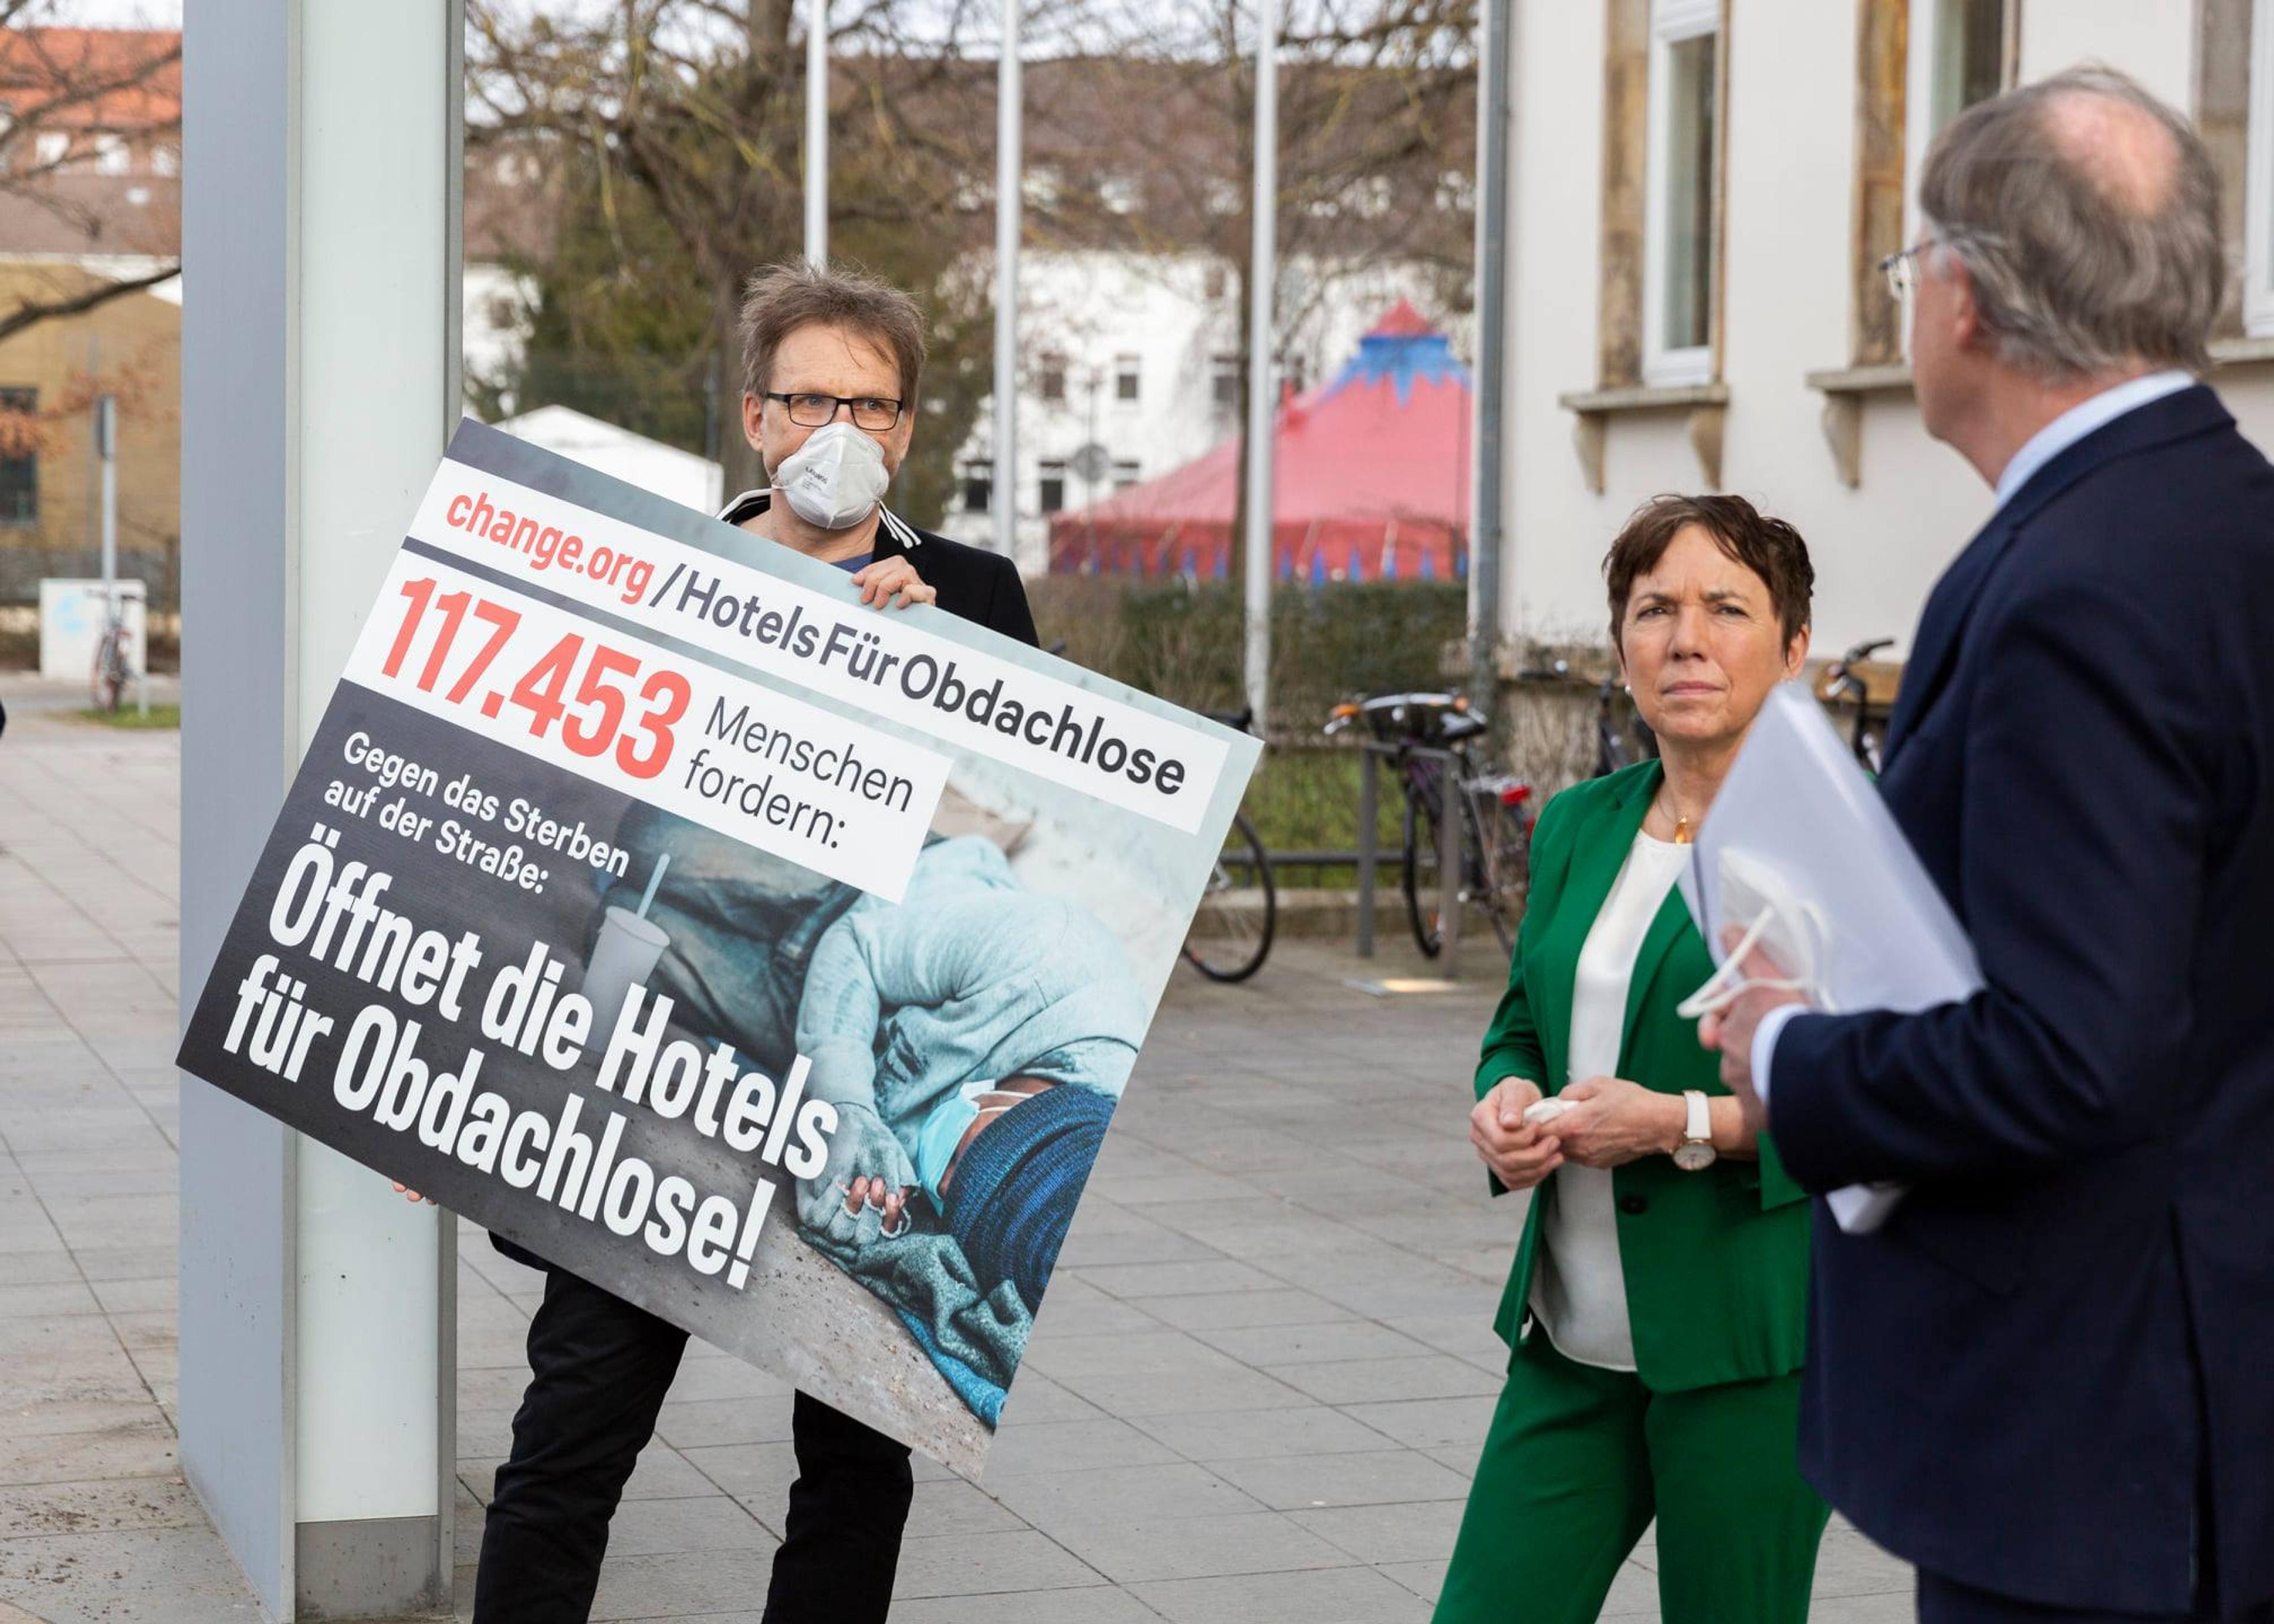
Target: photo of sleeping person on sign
pixel 974 1039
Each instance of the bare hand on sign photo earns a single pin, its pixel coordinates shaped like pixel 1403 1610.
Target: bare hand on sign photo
pixel 877 1193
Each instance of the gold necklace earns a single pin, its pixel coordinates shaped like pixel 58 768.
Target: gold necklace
pixel 1683 833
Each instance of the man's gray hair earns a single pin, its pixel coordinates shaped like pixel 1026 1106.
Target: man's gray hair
pixel 2075 272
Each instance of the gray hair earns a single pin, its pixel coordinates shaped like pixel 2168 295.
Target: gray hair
pixel 2072 276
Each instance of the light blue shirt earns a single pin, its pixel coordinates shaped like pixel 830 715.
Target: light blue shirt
pixel 2084 418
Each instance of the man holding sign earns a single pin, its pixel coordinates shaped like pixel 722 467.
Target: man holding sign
pixel 830 364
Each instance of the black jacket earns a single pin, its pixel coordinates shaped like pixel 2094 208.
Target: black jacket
pixel 2025 1380
pixel 973 583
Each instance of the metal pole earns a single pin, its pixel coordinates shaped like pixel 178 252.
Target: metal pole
pixel 1263 390
pixel 1494 60
pixel 1003 497
pixel 106 448
pixel 105 444
pixel 1369 805
pixel 817 132
pixel 1452 883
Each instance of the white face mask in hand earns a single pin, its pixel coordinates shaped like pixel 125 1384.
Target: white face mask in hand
pixel 1790 930
pixel 836 479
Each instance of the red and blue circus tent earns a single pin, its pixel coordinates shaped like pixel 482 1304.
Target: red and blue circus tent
pixel 1371 471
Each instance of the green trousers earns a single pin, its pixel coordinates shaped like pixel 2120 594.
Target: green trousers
pixel 1578 1461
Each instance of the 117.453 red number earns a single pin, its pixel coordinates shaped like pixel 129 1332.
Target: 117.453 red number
pixel 591 722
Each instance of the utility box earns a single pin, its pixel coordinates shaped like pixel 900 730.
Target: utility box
pixel 72 617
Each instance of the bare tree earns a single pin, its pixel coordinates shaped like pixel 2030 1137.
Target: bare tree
pixel 58 86
pixel 683 120
pixel 697 107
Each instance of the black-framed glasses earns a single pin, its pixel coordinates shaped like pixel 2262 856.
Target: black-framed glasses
pixel 873 412
pixel 1901 268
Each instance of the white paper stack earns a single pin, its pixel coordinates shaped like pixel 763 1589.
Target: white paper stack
pixel 1796 804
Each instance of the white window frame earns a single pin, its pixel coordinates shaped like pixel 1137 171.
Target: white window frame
pixel 1130 368
pixel 1919 128
pixel 1673 22
pixel 2258 179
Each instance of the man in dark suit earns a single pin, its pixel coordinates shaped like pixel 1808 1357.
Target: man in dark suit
pixel 2043 1379
pixel 831 362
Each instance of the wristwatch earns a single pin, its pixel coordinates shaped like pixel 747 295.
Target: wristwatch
pixel 1696 1152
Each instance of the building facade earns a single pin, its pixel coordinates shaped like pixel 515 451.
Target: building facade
pixel 130 348
pixel 90 205
pixel 1700 192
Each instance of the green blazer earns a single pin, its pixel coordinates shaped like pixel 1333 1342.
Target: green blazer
pixel 1716 1262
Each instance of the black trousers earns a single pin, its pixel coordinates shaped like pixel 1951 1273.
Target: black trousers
pixel 599 1371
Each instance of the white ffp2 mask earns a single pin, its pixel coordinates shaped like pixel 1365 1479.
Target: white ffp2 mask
pixel 1789 930
pixel 836 479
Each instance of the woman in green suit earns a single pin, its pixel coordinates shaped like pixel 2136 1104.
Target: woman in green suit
pixel 1655 1312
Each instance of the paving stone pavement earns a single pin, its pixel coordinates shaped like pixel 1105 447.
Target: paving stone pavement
pixel 1254 1394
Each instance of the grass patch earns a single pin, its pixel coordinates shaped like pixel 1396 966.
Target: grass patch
pixel 131 719
pixel 1308 800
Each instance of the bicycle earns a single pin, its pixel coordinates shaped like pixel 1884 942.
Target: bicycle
pixel 1618 742
pixel 1232 930
pixel 1618 746
pixel 1841 682
pixel 112 671
pixel 1432 735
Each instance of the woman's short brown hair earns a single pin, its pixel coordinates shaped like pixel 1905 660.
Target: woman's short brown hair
pixel 782 298
pixel 1771 548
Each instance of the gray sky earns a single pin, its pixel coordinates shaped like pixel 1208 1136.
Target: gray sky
pixel 111 13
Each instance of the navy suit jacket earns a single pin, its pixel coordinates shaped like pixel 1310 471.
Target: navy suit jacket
pixel 2063 1341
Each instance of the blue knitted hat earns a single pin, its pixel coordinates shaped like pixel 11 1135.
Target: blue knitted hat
pixel 1014 1193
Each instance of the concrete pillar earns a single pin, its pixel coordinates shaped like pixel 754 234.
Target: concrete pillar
pixel 319 382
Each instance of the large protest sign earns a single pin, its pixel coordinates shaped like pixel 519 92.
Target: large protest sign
pixel 642 893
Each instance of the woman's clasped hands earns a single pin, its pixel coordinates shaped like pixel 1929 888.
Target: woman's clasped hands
pixel 1606 1122
pixel 1520 1153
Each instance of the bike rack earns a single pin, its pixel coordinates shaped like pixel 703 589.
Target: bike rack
pixel 1373 753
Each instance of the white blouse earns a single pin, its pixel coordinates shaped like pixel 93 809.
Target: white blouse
pixel 1578 1287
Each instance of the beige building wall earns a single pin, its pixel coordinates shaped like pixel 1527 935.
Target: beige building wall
pixel 137 346
pixel 1790 145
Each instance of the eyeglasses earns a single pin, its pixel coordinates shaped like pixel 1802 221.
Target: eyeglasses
pixel 1901 268
pixel 873 412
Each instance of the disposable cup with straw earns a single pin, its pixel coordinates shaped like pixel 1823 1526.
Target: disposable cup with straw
pixel 626 953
